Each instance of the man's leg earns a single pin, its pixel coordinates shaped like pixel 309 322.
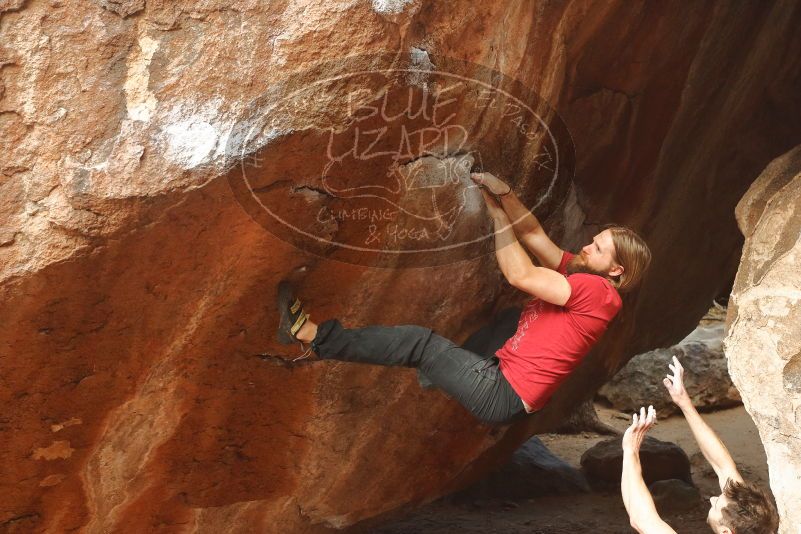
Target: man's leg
pixel 474 381
pixel 487 340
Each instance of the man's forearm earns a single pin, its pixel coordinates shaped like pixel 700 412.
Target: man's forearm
pixel 525 222
pixel 710 444
pixel 636 497
pixel 520 271
pixel 512 259
pixel 531 233
pixel 632 485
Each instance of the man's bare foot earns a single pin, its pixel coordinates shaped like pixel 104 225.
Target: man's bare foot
pixel 492 183
pixel 307 332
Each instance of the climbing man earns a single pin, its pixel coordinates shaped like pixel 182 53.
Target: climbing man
pixel 574 299
pixel 741 508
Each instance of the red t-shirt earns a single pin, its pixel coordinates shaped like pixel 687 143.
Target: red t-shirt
pixel 551 340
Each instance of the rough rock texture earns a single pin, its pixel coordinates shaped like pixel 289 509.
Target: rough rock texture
pixel 661 460
pixel 763 343
pixel 706 375
pixel 141 387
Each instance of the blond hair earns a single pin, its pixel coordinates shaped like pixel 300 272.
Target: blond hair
pixel 631 253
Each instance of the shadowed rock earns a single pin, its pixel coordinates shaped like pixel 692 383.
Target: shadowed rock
pixel 661 460
pixel 533 471
pixel 706 375
pixel 674 495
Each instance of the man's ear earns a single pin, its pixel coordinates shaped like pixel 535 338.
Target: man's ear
pixel 617 270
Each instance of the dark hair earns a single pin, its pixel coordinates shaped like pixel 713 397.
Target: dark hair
pixel 751 510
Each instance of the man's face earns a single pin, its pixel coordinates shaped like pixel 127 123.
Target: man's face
pixel 715 515
pixel 598 257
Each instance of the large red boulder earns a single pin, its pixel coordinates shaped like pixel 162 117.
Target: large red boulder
pixel 141 385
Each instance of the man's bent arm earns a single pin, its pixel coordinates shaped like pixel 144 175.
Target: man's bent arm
pixel 637 499
pixel 518 269
pixel 710 444
pixel 531 232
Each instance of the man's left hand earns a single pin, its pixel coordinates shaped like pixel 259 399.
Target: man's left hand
pixel 640 425
pixel 491 182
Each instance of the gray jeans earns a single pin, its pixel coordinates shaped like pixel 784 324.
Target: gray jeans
pixel 473 379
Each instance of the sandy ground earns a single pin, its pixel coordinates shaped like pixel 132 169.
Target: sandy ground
pixel 599 513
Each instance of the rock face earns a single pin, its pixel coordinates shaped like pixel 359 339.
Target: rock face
pixel 661 460
pixel 763 344
pixel 706 375
pixel 141 385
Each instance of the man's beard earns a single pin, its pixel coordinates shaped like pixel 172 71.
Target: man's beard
pixel 578 265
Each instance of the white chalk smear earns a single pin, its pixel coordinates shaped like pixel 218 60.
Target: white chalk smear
pixel 139 100
pixel 207 133
pixel 390 6
pixel 190 142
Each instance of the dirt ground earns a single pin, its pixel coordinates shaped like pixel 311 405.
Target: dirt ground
pixel 598 513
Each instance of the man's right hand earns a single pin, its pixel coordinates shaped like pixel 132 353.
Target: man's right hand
pixel 492 183
pixel 494 209
pixel 675 384
pixel 710 444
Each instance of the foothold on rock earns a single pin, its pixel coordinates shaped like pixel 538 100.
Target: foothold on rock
pixel 661 460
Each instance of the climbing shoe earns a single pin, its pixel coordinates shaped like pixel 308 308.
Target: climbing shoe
pixel 291 314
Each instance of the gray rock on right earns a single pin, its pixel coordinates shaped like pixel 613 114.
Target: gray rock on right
pixel 763 343
pixel 706 376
